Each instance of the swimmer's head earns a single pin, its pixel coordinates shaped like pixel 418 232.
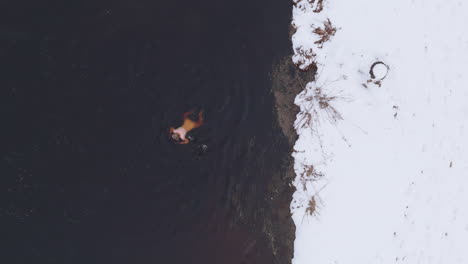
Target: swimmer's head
pixel 175 136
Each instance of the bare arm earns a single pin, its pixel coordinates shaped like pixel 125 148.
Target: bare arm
pixel 186 114
pixel 200 119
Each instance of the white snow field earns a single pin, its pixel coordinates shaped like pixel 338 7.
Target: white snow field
pixel 384 163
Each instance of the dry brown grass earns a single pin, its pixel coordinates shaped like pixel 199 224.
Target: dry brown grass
pixel 311 206
pixel 316 5
pixel 325 33
pixel 320 102
pixel 305 62
pixel 309 174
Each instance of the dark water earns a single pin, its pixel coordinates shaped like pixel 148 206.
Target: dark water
pixel 89 89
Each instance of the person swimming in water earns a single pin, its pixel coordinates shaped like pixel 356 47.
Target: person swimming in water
pixel 180 134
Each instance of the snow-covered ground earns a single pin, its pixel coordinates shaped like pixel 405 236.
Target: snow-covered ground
pixel 384 163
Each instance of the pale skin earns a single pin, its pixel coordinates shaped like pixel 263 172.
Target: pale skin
pixel 187 126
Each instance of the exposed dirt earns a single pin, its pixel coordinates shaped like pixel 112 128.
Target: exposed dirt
pixel 287 82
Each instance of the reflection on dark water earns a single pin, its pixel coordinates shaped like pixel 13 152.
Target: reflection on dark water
pixel 90 90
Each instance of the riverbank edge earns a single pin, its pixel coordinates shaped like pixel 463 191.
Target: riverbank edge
pixel 287 82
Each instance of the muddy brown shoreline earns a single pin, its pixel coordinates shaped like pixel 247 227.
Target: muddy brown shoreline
pixel 287 82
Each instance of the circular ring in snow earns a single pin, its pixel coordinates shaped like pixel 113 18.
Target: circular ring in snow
pixel 378 71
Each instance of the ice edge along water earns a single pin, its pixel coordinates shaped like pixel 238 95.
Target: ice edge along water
pixel 382 165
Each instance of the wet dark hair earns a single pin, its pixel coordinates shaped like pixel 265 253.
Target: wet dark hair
pixel 175 136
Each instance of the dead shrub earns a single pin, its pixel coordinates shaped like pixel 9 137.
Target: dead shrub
pixel 305 59
pixel 309 174
pixel 311 206
pixel 319 101
pixel 325 33
pixel 317 6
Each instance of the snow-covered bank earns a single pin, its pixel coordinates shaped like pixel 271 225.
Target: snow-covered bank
pixel 383 162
